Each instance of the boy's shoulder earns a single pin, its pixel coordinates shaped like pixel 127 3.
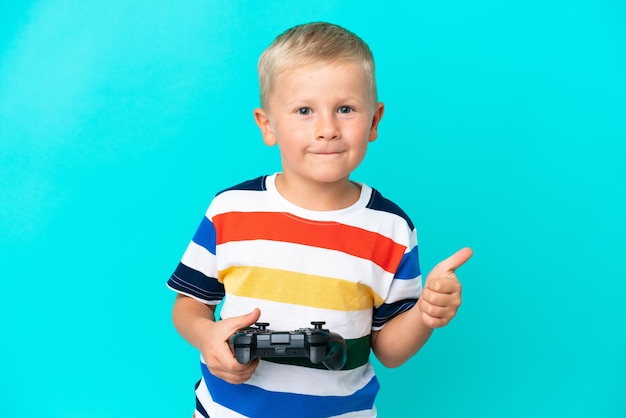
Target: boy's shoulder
pixel 379 202
pixel 244 196
pixel 256 184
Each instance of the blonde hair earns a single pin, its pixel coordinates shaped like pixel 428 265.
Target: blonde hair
pixel 312 44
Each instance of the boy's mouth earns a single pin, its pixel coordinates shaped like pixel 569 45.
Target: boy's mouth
pixel 327 152
pixel 327 155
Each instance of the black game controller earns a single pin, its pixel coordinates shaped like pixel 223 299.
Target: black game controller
pixel 317 344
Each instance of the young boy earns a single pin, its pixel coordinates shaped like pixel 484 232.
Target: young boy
pixel 309 244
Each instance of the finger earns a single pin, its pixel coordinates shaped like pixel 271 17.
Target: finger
pixel 235 378
pixel 226 364
pixel 436 316
pixel 441 298
pixel 237 368
pixel 437 312
pixel 236 373
pixel 450 264
pixel 449 284
pixel 439 304
pixel 432 322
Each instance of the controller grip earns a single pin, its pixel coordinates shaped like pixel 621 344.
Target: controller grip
pixel 243 347
pixel 337 354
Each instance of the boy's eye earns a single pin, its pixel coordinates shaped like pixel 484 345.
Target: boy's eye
pixel 304 111
pixel 345 109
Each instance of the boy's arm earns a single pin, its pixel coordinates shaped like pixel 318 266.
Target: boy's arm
pixel 405 334
pixel 195 322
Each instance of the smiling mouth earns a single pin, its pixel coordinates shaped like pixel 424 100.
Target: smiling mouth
pixel 327 152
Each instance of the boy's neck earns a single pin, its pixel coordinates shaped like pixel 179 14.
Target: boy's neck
pixel 318 196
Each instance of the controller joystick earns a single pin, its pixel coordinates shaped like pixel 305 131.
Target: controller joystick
pixel 317 344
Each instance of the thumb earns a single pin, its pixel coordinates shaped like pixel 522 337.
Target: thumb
pixel 450 264
pixel 238 322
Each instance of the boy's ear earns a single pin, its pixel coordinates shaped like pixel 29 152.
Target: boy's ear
pixel 378 115
pixel 263 122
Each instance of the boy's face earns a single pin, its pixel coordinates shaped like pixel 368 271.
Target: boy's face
pixel 322 119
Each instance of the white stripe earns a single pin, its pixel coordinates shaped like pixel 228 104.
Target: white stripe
pixel 200 259
pixel 305 259
pixel 404 289
pixel 300 380
pixel 412 240
pixel 348 324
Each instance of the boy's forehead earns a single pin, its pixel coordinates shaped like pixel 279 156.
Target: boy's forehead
pixel 289 65
pixel 305 69
pixel 297 77
pixel 357 71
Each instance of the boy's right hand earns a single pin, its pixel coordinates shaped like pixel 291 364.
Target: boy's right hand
pixel 217 354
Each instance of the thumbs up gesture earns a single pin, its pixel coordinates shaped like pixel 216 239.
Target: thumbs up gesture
pixel 441 296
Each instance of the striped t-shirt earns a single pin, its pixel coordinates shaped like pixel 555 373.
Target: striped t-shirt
pixel 354 268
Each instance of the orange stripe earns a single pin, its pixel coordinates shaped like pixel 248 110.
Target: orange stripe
pixel 276 226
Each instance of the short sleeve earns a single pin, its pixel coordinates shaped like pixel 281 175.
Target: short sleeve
pixel 405 289
pixel 196 274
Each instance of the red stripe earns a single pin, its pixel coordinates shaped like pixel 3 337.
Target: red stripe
pixel 276 226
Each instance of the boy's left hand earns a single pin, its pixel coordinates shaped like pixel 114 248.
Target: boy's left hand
pixel 441 296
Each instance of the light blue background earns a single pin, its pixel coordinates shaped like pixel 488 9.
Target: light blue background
pixel 504 130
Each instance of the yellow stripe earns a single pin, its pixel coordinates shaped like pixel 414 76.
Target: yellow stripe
pixel 297 288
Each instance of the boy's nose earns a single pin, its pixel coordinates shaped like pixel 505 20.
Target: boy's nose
pixel 326 128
